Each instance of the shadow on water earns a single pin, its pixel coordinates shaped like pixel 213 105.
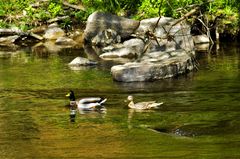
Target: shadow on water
pixel 192 130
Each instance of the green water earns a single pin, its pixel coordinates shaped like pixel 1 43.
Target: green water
pixel 200 117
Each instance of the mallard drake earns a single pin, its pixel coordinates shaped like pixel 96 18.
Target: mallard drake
pixel 142 105
pixel 90 103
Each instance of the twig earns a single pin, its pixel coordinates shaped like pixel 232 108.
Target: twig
pixel 57 19
pixel 193 5
pixel 208 30
pixel 193 11
pixel 78 7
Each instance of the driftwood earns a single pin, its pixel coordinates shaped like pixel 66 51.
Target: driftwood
pixel 9 32
pixel 57 19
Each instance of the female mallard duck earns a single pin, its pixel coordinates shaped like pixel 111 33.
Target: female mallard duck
pixel 142 105
pixel 90 103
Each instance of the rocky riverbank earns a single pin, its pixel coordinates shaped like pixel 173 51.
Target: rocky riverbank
pixel 148 50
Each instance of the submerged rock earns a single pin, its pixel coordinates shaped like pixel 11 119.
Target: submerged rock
pixel 81 61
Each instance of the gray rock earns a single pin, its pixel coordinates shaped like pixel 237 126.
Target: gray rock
pixel 159 56
pixel 130 49
pixel 135 44
pixel 98 22
pixel 122 52
pixel 106 37
pixel 8 40
pixel 53 33
pixel 169 37
pixel 65 41
pixel 202 47
pixel 201 39
pixel 81 61
pixel 148 70
pixel 112 47
pixel 149 24
pixel 163 28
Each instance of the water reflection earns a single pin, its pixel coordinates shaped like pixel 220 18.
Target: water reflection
pixel 132 112
pixel 72 114
pixel 101 110
pixel 83 113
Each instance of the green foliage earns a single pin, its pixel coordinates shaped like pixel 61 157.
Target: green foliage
pixel 3 24
pixel 227 10
pixel 82 16
pixel 66 24
pixel 112 6
pixel 55 9
pixel 74 1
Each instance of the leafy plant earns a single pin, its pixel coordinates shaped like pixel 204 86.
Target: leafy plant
pixel 55 9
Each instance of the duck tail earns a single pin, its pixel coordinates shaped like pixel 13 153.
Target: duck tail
pixel 155 105
pixel 103 100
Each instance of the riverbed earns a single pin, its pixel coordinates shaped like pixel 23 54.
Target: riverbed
pixel 200 117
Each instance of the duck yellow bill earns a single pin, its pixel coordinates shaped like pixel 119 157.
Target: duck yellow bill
pixel 67 95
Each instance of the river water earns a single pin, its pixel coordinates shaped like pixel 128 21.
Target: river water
pixel 200 117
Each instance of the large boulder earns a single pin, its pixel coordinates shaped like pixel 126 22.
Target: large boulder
pixel 98 22
pixel 151 69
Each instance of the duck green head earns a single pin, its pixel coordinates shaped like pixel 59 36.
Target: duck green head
pixel 71 95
